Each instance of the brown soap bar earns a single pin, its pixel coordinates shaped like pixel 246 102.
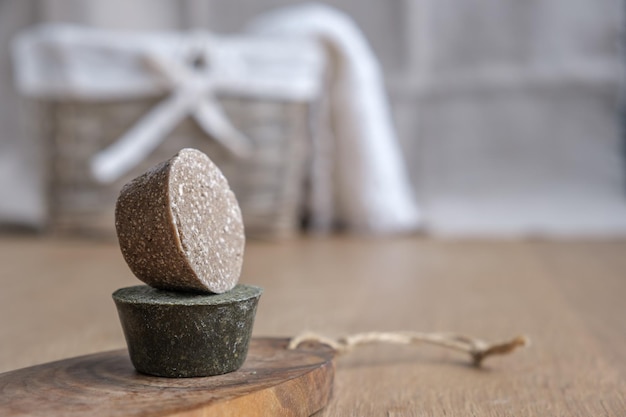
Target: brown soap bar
pixel 179 226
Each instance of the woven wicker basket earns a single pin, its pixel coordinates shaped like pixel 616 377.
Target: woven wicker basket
pixel 268 185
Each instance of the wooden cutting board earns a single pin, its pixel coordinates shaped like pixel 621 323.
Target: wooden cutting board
pixel 273 381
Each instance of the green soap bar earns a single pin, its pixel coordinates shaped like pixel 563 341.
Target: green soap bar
pixel 177 334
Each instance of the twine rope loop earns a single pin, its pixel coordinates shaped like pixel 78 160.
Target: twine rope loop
pixel 478 349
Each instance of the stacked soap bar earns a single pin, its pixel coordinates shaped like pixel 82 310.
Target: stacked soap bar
pixel 181 232
pixel 180 227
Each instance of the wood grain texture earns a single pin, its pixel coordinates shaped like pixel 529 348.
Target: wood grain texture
pixel 567 296
pixel 273 381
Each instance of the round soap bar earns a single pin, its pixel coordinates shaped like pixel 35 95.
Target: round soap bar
pixel 176 334
pixel 179 226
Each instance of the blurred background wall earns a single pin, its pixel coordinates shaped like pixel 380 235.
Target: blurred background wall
pixel 506 110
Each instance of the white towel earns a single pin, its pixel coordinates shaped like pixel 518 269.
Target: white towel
pixel 372 190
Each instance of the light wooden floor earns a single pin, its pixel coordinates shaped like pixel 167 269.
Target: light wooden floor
pixel 569 298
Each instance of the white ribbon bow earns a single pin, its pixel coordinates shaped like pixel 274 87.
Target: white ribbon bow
pixel 192 94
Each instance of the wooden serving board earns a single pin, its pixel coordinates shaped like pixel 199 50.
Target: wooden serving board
pixel 273 381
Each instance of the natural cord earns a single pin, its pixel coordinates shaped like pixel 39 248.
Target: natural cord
pixel 478 349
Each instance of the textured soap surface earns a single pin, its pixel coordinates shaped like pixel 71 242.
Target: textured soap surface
pixel 180 227
pixel 177 334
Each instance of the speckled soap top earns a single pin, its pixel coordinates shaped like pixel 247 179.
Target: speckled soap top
pixel 143 294
pixel 180 227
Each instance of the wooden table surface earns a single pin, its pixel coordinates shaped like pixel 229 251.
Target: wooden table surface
pixel 568 297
